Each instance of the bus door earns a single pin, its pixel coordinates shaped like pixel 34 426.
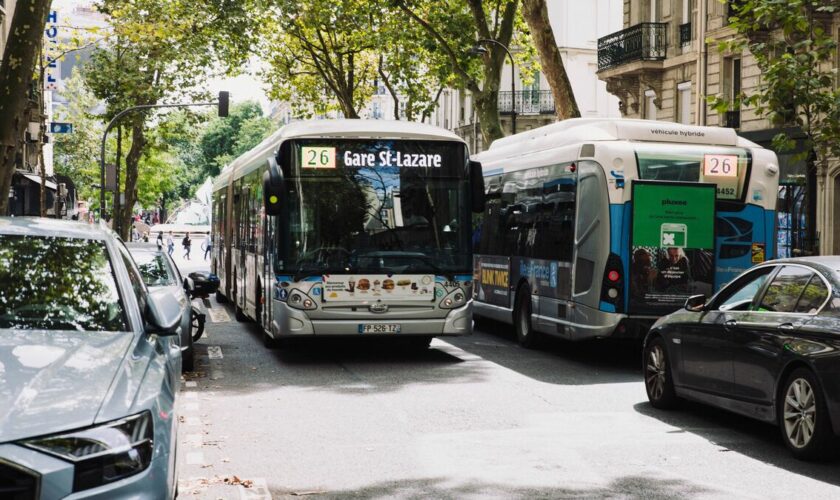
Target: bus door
pixel 592 240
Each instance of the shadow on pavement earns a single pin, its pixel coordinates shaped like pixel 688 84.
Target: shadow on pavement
pixel 345 366
pixel 743 435
pixel 557 361
pixel 633 487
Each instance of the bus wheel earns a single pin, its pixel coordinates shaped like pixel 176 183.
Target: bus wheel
pixel 525 334
pixel 220 297
pixel 240 315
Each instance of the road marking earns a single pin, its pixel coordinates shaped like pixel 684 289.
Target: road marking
pixel 192 407
pixel 257 491
pixel 190 395
pixel 191 383
pixel 195 458
pixel 218 315
pixel 214 352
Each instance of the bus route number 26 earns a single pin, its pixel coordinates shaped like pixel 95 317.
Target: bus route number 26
pixel 720 166
pixel 318 157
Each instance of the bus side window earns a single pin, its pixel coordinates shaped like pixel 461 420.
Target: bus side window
pixel 491 234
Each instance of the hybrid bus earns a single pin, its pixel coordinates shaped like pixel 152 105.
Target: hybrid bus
pixel 596 227
pixel 349 228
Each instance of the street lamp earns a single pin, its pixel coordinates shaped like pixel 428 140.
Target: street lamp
pixel 477 49
pixel 223 103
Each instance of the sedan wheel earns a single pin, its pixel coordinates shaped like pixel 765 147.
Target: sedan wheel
pixel 658 381
pixel 804 419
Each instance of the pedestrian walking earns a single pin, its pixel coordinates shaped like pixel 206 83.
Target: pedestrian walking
pixel 187 242
pixel 135 234
pixel 159 240
pixel 170 243
pixel 207 245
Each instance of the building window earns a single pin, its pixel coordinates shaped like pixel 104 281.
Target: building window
pixel 732 91
pixel 684 103
pixel 650 105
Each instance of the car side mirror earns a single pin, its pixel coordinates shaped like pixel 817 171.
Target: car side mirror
pixel 273 184
pixel 162 314
pixel 696 303
pixel 189 285
pixel 477 187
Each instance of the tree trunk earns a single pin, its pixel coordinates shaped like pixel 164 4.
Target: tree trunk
pixel 487 108
pixel 16 71
pixel 132 162
pixel 535 13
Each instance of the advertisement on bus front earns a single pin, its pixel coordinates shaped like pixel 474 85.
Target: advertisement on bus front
pixel 672 244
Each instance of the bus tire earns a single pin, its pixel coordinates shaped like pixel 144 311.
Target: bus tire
pixel 525 334
pixel 220 297
pixel 240 315
pixel 269 342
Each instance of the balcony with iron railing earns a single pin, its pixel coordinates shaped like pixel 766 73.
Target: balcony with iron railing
pixel 642 42
pixel 528 102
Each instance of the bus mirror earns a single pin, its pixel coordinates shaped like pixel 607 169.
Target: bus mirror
pixel 477 187
pixel 273 188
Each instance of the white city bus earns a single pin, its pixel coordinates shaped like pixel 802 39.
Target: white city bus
pixel 349 228
pixel 596 227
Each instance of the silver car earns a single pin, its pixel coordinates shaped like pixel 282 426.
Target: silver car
pixel 159 271
pixel 90 365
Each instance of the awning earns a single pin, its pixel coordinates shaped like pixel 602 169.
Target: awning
pixel 37 180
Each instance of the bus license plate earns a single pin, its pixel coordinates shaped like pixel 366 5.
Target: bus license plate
pixel 379 328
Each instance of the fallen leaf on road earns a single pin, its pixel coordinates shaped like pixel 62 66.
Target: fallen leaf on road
pixel 236 481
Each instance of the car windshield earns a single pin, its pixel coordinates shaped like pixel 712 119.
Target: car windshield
pixel 378 206
pixel 55 283
pixel 154 268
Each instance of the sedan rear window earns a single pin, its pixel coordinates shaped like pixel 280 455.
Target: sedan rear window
pixel 54 283
pixel 154 269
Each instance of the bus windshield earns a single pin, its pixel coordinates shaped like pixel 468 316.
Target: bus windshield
pixel 726 167
pixel 384 206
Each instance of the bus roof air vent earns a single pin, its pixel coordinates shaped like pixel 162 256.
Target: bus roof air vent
pixel 587 151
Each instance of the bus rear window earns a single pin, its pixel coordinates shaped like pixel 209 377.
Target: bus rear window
pixel 725 167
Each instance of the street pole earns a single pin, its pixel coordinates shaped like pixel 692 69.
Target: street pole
pixel 222 103
pixel 512 81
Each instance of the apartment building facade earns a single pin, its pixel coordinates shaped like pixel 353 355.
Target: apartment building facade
pixel 664 64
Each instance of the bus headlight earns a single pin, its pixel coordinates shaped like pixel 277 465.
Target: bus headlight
pixel 454 299
pixel 300 300
pixel 104 453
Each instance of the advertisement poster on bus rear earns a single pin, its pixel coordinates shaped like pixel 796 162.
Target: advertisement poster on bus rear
pixel 672 245
pixel 493 280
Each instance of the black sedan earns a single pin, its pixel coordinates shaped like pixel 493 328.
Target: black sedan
pixel 766 346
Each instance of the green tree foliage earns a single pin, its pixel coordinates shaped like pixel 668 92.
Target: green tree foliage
pixel 321 54
pixel 793 46
pixel 452 26
pixel 156 50
pixel 223 139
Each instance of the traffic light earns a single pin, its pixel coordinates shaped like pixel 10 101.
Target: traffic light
pixel 224 103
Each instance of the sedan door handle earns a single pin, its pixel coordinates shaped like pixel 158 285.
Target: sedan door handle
pixel 786 327
pixel 730 324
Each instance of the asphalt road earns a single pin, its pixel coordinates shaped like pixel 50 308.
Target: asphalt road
pixel 471 417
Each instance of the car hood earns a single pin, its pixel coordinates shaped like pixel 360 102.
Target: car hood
pixel 51 381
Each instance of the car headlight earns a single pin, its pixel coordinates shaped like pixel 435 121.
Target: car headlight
pixel 455 299
pixel 300 300
pixel 104 453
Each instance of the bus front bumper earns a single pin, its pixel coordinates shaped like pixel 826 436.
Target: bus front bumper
pixel 290 323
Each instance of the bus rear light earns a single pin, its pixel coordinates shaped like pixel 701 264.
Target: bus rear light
pixel 613 276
